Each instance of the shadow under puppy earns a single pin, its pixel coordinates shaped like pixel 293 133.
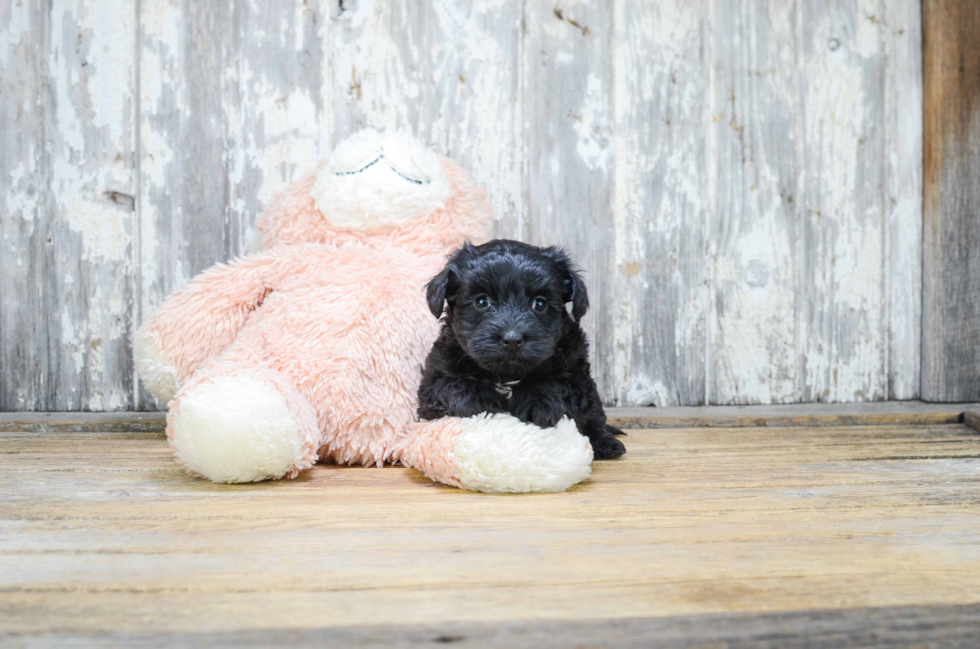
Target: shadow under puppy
pixel 508 344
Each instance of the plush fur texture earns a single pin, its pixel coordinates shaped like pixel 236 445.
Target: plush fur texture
pixel 295 217
pixel 312 348
pixel 498 454
pixel 508 344
pixel 243 426
pixel 495 453
pixel 158 374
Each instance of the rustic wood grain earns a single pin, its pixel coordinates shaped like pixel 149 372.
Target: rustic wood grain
pixel 232 109
pixel 661 204
pixel 951 244
pixel 921 627
pixel 101 533
pixel 90 144
pixel 570 152
pixel 22 269
pixel 741 182
pixel 185 219
pixel 69 185
pixel 801 308
pixel 800 418
pixel 841 265
pixel 753 237
pixel 901 32
pixel 449 72
pixel 107 422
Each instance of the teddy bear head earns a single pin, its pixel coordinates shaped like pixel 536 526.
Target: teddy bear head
pixel 380 187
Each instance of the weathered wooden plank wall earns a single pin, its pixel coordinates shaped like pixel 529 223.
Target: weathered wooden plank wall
pixel 810 220
pixel 67 147
pixel 951 273
pixel 742 181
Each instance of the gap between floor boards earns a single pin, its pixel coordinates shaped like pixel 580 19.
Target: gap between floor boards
pixel 888 413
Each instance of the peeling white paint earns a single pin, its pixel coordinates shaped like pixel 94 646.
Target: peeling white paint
pixel 21 201
pixel 742 181
pixel 289 126
pixel 644 391
pixel 659 327
pixel 84 188
pixel 592 126
pixel 111 61
pixel 102 227
pixel 903 138
pixel 18 26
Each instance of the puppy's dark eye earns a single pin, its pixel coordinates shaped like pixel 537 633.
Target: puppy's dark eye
pixel 539 304
pixel 482 302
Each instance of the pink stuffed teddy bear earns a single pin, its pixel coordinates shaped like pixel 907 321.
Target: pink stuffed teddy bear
pixel 312 349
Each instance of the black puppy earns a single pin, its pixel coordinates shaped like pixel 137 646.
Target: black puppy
pixel 508 344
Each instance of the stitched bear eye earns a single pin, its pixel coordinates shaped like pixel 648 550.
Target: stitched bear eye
pixel 539 304
pixel 482 302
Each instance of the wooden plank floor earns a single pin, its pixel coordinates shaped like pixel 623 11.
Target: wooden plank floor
pixel 699 537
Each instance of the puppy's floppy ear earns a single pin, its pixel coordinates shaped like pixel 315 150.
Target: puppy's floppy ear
pixel 574 285
pixel 443 286
pixel 579 295
pixel 438 288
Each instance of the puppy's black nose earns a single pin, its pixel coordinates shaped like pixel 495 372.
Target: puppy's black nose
pixel 512 340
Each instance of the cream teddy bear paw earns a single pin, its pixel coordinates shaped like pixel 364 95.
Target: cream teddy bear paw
pixel 499 454
pixel 241 428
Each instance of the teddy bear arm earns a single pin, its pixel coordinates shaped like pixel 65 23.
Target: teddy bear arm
pixel 496 453
pixel 197 322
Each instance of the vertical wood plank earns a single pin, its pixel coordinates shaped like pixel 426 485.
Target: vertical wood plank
pixel 568 105
pixel 902 27
pixel 231 112
pixel 277 126
pixel 79 275
pixel 841 314
pixel 951 245
pixel 379 66
pixel 475 110
pixel 184 210
pixel 90 142
pixel 184 215
pixel 448 72
pixel 754 234
pixel 659 311
pixel 21 146
pixel 801 303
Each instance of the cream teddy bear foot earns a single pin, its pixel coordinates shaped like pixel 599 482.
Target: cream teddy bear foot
pixel 497 454
pixel 242 425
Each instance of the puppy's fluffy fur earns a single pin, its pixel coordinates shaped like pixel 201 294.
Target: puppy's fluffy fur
pixel 508 344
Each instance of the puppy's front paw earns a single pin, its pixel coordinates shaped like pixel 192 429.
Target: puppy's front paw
pixel 543 416
pixel 607 447
pixel 444 397
pixel 615 431
pixel 539 412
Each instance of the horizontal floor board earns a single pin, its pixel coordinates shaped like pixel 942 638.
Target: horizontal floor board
pixel 948 627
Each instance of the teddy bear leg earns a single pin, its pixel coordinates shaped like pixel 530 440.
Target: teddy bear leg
pixel 242 424
pixel 497 453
